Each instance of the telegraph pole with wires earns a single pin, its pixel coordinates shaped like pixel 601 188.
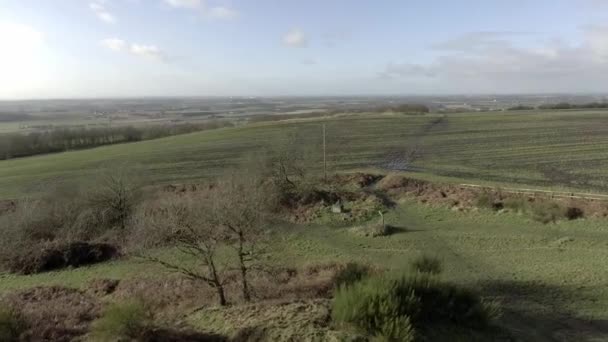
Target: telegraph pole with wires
pixel 324 156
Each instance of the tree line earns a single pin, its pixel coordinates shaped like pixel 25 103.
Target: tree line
pixel 563 105
pixel 15 145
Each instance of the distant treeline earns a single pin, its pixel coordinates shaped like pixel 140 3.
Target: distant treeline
pixel 563 105
pixel 17 145
pixel 406 108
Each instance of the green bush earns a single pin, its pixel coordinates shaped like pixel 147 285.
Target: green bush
pixel 12 324
pixel 517 204
pixel 488 200
pixel 375 305
pixel 122 321
pixel 382 305
pixel 427 264
pixel 573 213
pixel 350 274
pixel 547 212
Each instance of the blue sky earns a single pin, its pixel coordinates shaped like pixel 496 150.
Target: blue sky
pixel 107 48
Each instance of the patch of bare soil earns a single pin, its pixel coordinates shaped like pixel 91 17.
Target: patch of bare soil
pixel 54 313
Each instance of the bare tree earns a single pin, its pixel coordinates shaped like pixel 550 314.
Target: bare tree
pixel 115 195
pixel 183 222
pixel 241 204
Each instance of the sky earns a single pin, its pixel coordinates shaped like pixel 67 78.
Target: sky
pixel 132 48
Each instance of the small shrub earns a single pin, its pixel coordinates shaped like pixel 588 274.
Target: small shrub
pixel 128 320
pixel 427 264
pixel 573 213
pixel 488 200
pixel 374 304
pixel 547 212
pixel 381 305
pixel 12 324
pixel 517 204
pixel 350 274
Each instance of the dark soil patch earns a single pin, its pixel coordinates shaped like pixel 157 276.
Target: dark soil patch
pixel 62 255
pixel 7 206
pixel 168 335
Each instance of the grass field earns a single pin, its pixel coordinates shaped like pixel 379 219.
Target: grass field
pixel 559 150
pixel 549 278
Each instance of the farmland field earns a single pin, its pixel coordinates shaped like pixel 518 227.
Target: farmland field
pixel 549 279
pixel 548 149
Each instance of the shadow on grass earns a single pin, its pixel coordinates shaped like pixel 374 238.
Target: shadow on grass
pixel 537 312
pixel 168 335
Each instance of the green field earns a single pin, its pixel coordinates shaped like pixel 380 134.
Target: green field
pixel 559 150
pixel 550 279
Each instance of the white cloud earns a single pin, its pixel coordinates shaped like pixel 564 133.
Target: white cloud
pixel 295 38
pixel 215 12
pixel 99 8
pixel 136 49
pixel 149 51
pixel 114 44
pixel 221 12
pixel 495 62
pixel 192 4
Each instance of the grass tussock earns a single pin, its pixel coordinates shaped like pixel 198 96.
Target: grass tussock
pixel 351 273
pixel 427 264
pixel 129 320
pixel 12 324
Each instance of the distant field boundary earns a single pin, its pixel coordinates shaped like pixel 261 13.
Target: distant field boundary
pixel 559 194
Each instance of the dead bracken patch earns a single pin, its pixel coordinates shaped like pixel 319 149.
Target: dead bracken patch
pixel 464 198
pixel 54 313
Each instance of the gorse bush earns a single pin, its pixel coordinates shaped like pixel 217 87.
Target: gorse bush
pixel 12 324
pixel 573 213
pixel 391 306
pixel 122 321
pixel 427 264
pixel 376 305
pixel 350 274
pixel 547 212
pixel 489 200
pixel 517 204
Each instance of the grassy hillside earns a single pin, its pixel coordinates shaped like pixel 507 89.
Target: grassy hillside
pixel 567 149
pixel 545 276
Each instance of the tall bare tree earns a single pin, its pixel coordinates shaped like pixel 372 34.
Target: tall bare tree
pixel 241 203
pixel 183 222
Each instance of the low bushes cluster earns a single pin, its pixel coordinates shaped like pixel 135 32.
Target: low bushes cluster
pixel 541 210
pixel 62 228
pixel 55 256
pixel 397 308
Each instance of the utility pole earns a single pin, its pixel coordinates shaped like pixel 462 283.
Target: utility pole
pixel 324 156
